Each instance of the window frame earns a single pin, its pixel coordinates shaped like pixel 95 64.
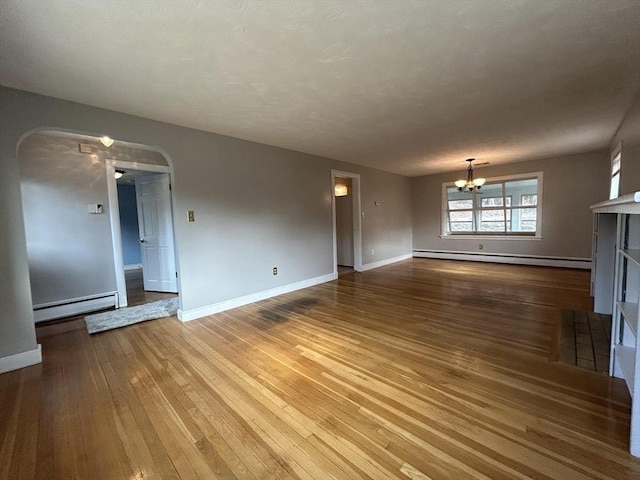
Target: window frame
pixel 616 157
pixel 475 209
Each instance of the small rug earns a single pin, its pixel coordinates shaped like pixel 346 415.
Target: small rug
pixel 584 340
pixel 130 315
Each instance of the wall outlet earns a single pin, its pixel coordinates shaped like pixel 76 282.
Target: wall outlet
pixel 275 270
pixel 480 246
pixel 373 252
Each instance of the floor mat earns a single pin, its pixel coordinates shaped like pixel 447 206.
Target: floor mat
pixel 130 315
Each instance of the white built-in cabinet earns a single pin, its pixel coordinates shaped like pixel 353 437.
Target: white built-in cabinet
pixel 615 286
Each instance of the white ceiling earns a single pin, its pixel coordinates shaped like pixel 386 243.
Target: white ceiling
pixel 412 87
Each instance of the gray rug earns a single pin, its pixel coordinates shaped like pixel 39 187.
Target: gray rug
pixel 130 315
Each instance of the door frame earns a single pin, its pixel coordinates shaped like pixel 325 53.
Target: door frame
pixel 357 219
pixel 114 216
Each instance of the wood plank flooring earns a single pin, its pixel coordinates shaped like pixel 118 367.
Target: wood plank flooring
pixel 136 295
pixel 425 369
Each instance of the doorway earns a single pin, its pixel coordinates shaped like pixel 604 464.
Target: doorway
pixel 153 274
pixel 347 225
pixel 73 266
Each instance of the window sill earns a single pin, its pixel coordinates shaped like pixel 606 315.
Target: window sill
pixel 491 237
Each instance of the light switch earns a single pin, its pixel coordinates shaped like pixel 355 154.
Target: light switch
pixel 94 208
pixel 191 215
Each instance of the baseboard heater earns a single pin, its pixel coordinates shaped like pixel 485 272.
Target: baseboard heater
pixel 510 258
pixel 74 306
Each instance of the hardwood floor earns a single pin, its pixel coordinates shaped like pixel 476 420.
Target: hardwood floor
pixel 421 369
pixel 136 295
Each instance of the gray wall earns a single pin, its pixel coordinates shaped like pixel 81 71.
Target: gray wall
pixel 256 207
pixel 70 251
pixel 384 227
pixel 570 185
pixel 629 135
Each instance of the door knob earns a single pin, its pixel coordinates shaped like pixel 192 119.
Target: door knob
pixel 141 240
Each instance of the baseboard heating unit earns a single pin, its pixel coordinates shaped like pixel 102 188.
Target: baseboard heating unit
pixel 74 306
pixel 514 259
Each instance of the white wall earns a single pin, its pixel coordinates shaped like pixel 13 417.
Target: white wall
pixel 571 184
pixel 255 206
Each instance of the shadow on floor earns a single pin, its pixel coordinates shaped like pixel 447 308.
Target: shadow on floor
pixel 585 340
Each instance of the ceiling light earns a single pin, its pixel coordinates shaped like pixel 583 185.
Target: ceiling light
pixel 341 190
pixel 470 183
pixel 119 174
pixel 106 141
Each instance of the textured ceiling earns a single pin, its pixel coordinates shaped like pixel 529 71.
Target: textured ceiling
pixel 412 87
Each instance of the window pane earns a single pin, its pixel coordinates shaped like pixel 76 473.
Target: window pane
pixel 491 190
pixel 615 164
pixel 524 219
pixel 461 221
pixel 492 221
pixel 460 204
pixel 461 227
pixel 529 200
pixel 488 202
pixel 466 216
pixel 615 186
pixel 459 200
pixel 519 189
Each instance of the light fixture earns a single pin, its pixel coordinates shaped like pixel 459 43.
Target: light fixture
pixel 119 174
pixel 341 190
pixel 470 183
pixel 106 141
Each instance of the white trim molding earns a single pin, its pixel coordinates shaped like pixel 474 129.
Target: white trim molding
pixel 133 266
pixel 510 258
pixel 21 360
pixel 388 261
pixel 200 312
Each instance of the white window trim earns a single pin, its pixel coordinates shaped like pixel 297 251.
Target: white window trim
pixel 477 236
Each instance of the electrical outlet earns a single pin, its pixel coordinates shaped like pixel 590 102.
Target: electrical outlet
pixel 373 252
pixel 275 270
pixel 480 246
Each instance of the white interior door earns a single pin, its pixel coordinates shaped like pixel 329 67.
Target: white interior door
pixel 156 233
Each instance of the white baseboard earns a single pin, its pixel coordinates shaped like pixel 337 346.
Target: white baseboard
pixel 382 263
pixel 514 259
pixel 74 306
pixel 21 360
pixel 133 266
pixel 200 312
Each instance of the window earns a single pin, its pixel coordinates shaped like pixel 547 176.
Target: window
pixel 507 206
pixel 614 191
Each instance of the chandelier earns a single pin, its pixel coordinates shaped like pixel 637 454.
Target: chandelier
pixel 470 183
